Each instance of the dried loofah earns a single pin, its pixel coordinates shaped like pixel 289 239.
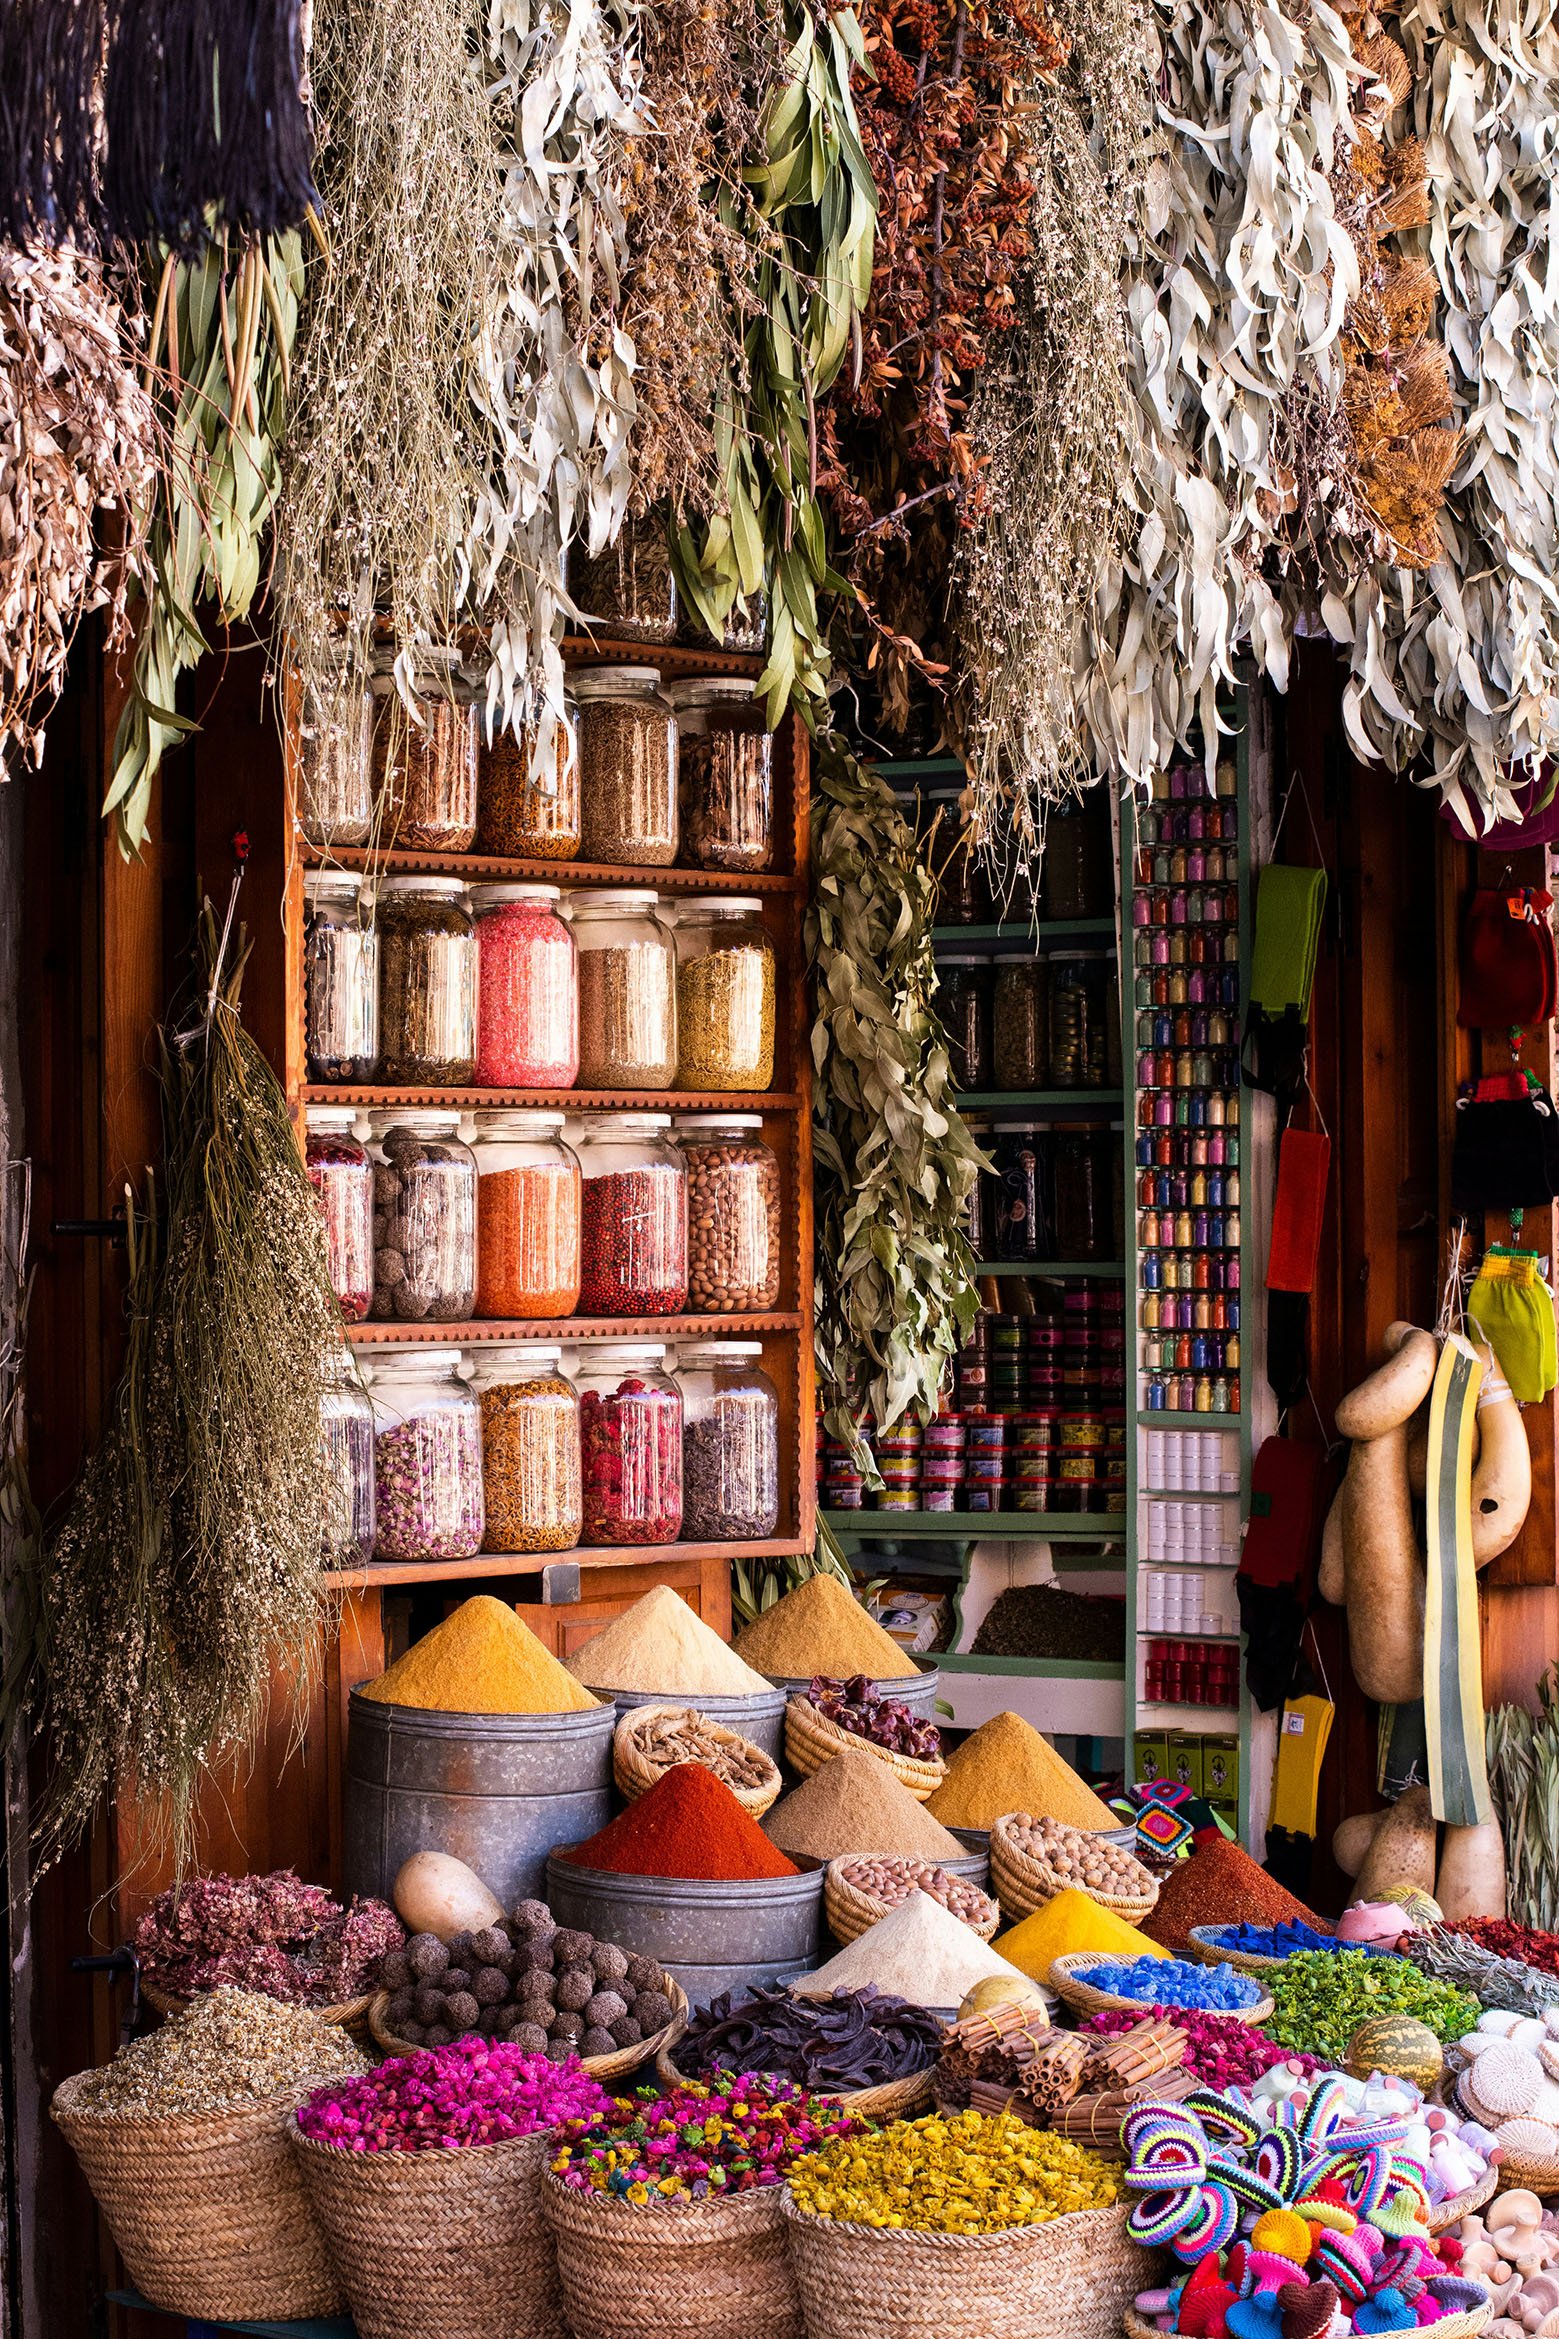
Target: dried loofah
pixel 1505 2081
pixel 1529 2140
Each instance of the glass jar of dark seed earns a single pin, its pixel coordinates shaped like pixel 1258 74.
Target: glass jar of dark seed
pixel 1022 1181
pixel 425 760
pixel 964 1005
pixel 1019 1055
pixel 730 1443
pixel 427 983
pixel 725 753
pixel 627 592
pixel 340 976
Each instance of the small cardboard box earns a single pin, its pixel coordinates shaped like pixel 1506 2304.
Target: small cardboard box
pixel 1150 1760
pixel 1185 1761
pixel 1221 1770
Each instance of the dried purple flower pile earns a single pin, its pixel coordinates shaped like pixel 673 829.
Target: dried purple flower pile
pixel 274 1934
pixel 474 2091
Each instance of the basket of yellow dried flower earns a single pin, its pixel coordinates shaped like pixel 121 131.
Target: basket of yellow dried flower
pixel 1011 2232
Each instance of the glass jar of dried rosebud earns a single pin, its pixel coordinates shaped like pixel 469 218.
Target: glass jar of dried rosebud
pixel 633 1225
pixel 627 990
pixel 630 1444
pixel 725 995
pixel 425 761
pixel 733 1213
pixel 527 1216
pixel 528 795
pixel 627 767
pixel 427 983
pixel 725 761
pixel 527 991
pixel 424 1223
pixel 340 976
pixel 343 1181
pixel 346 1431
pixel 427 1456
pixel 628 591
pixel 530 1448
pixel 730 1443
pixel 335 766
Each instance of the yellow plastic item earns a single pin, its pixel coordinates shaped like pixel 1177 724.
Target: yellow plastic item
pixel 1071 1921
pixel 1302 1736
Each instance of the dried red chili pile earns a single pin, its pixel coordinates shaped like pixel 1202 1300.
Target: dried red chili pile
pixel 1220 1885
pixel 1505 1939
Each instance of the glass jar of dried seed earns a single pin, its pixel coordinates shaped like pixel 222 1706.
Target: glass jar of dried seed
pixel 1079 1015
pixel 340 976
pixel 527 996
pixel 427 1456
pixel 1018 1021
pixel 627 990
pixel 725 995
pixel 427 983
pixel 424 1220
pixel 530 1448
pixel 733 1214
pixel 725 753
pixel 628 591
pixel 627 767
pixel 335 766
pixel 346 1430
pixel 528 797
pixel 425 760
pixel 527 1216
pixel 343 1182
pixel 730 1443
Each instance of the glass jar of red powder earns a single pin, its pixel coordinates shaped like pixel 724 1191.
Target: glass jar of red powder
pixel 630 1443
pixel 343 1181
pixel 527 990
pixel 633 1220
pixel 527 1216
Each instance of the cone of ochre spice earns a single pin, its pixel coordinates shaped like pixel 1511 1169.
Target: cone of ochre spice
pixel 1005 1766
pixel 688 1825
pixel 821 1628
pixel 481 1660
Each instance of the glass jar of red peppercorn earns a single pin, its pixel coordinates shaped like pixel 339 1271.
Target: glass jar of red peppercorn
pixel 630 1439
pixel 527 991
pixel 633 1228
pixel 343 1181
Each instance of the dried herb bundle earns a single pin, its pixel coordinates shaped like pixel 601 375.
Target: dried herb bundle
pixel 894 1162
pixel 77 441
pixel 1523 1758
pixel 185 1574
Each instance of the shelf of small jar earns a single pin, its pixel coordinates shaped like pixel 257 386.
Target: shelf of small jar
pixel 556 1100
pixel 1050 1100
pixel 381 1573
pixel 572 1328
pixel 584 649
pixel 491 867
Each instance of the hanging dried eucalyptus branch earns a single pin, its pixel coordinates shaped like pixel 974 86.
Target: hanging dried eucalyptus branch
pixel 77 442
pixel 895 1164
pixel 185 1575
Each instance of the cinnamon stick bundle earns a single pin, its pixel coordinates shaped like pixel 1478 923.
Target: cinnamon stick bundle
pixel 1095 2120
pixel 1142 2052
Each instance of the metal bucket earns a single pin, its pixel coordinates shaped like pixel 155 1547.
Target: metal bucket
pixel 496 1790
pixel 918 1691
pixel 709 1937
pixel 759 1715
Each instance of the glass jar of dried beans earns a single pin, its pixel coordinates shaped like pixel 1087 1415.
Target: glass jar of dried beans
pixel 733 1214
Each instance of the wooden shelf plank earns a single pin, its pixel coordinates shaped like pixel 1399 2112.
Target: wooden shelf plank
pixel 557 1100
pixel 578 1328
pixel 379 1575
pixel 491 867
pixel 975 1526
pixel 1055 1270
pixel 1048 934
pixel 1029 1100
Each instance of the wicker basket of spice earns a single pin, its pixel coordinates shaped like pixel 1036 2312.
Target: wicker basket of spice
pixel 602 2067
pixel 811 1740
pixel 1034 1859
pixel 1065 1974
pixel 1205 1945
pixel 895 2099
pixel 860 1889
pixel 650 1740
pixel 351 2016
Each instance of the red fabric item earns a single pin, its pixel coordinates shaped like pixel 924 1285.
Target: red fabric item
pixel 1290 1486
pixel 1507 970
pixel 1299 1204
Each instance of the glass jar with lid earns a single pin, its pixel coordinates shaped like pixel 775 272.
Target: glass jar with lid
pixel 633 1221
pixel 425 760
pixel 343 1181
pixel 427 1456
pixel 628 591
pixel 730 1443
pixel 1084 1201
pixel 1021 1191
pixel 627 767
pixel 424 1220
pixel 335 765
pixel 627 990
pixel 346 1433
pixel 528 797
pixel 530 1447
pixel 725 752
pixel 527 1216
pixel 527 992
pixel 1076 879
pixel 340 976
pixel 725 995
pixel 733 1214
pixel 1018 1020
pixel 964 1006
pixel 630 1444
pixel 427 983
pixel 1079 1018
pixel 962 895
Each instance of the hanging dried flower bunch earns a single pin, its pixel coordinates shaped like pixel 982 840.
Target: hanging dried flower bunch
pixel 77 442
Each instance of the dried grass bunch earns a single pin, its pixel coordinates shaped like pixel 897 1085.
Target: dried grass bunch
pixel 78 443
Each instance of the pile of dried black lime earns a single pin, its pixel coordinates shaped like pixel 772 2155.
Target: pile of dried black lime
pixel 1042 1620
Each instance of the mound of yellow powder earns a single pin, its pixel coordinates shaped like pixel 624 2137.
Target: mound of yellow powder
pixel 1071 1921
pixel 1005 1766
pixel 820 1628
pixel 660 1644
pixel 481 1660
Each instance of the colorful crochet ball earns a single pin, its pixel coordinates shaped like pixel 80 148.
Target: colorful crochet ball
pixel 1169 1981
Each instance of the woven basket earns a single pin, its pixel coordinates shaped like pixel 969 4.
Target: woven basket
pixel 811 1740
pixel 438 2245
pixel 601 2067
pixel 851 1912
pixel 895 2099
pixel 673 2269
pixel 1070 2279
pixel 1204 1947
pixel 1087 2000
pixel 635 1775
pixel 1532 2176
pixel 1024 1883
pixel 351 2016
pixel 1447 2214
pixel 207 2209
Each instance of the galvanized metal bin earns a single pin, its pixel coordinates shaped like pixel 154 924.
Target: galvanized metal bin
pixel 759 1716
pixel 709 1937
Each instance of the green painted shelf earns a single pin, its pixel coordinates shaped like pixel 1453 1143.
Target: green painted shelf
pixel 1056 1270
pixel 1050 931
pixel 1150 1420
pixel 974 1526
pixel 1023 1100
pixel 1035 1668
